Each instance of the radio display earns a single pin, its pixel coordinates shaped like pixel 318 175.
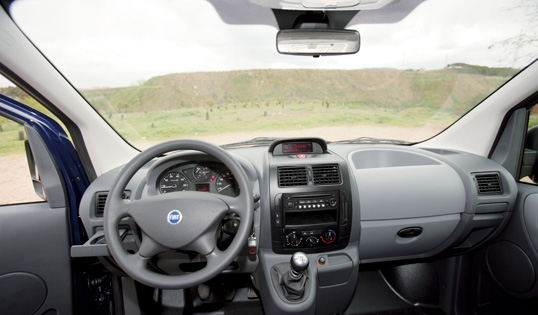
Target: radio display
pixel 297 147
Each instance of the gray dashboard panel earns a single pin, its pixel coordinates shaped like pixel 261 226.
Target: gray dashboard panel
pixel 391 188
pixel 370 158
pixel 387 183
pixel 379 238
pixel 383 161
pixel 400 185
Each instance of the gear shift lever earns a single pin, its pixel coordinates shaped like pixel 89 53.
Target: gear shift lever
pixel 299 263
pixel 294 281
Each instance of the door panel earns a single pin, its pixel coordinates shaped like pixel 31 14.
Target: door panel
pixel 35 263
pixel 530 216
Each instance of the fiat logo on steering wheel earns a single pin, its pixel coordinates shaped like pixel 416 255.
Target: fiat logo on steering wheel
pixel 174 217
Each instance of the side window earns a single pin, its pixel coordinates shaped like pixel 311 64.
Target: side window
pixel 529 167
pixel 16 185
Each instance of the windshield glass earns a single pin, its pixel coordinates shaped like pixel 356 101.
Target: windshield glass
pixel 158 70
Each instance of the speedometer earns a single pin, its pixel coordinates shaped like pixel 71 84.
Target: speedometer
pixel 173 181
pixel 226 184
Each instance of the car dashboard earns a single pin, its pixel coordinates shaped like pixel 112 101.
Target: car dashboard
pixel 343 205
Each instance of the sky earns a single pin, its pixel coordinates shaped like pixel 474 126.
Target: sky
pixel 95 46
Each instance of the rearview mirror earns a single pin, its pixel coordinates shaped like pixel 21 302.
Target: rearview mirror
pixel 317 42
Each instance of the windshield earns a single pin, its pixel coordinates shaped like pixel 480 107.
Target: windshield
pixel 158 70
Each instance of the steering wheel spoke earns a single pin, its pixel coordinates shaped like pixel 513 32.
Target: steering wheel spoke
pixel 234 204
pixel 117 209
pixel 137 261
pixel 149 248
pixel 203 245
pixel 214 258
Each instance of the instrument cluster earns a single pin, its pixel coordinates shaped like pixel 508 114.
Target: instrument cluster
pixel 209 177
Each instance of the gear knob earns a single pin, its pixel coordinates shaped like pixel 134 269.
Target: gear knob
pixel 299 262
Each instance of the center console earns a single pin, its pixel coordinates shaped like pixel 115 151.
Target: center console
pixel 310 209
pixel 310 217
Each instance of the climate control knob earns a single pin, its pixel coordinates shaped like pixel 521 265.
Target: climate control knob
pixel 312 241
pixel 329 237
pixel 293 239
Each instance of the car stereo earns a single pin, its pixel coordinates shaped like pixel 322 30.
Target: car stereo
pixel 311 222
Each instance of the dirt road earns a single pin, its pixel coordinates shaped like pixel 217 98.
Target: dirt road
pixel 15 183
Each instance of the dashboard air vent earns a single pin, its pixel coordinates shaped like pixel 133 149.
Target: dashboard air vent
pixel 326 174
pixel 488 184
pixel 100 200
pixel 292 176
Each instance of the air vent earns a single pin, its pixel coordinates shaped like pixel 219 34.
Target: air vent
pixel 488 184
pixel 292 176
pixel 100 200
pixel 326 174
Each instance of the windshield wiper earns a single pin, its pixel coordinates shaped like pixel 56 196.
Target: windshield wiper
pixel 256 142
pixel 370 140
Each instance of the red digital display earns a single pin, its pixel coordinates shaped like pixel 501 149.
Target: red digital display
pixel 202 187
pixel 297 147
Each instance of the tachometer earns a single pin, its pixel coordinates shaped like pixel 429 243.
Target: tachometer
pixel 173 181
pixel 226 184
pixel 201 173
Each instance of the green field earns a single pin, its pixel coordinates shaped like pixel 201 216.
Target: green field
pixel 200 104
pixel 10 141
pixel 184 123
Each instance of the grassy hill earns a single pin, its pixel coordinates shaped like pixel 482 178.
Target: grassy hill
pixel 376 88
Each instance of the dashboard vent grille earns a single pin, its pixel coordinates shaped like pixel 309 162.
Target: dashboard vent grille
pixel 292 176
pixel 326 174
pixel 100 200
pixel 488 184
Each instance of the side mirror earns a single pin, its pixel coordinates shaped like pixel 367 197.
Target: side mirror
pixel 34 173
pixel 317 42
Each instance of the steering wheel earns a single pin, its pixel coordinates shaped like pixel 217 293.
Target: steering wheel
pixel 177 221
